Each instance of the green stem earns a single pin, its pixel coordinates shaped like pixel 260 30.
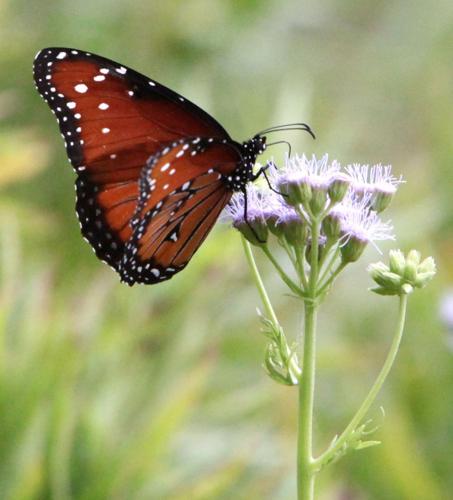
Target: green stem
pixel 328 256
pixel 331 278
pixel 300 259
pixel 266 301
pixel 365 406
pixel 289 282
pixel 305 471
pixel 259 282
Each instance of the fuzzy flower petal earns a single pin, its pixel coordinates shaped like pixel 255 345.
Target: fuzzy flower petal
pixel 261 205
pixel 360 222
pixel 376 178
pixel 318 173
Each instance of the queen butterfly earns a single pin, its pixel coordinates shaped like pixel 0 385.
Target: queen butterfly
pixel 154 170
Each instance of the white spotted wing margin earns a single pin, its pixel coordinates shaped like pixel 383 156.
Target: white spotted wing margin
pixel 176 212
pixel 105 243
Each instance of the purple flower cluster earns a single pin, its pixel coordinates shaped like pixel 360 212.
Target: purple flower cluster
pixel 347 201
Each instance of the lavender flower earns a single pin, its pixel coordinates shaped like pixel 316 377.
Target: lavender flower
pixel 263 208
pixel 377 180
pixel 360 225
pixel 344 201
pixel 305 182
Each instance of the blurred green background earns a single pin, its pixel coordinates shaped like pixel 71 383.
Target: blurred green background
pixel 157 392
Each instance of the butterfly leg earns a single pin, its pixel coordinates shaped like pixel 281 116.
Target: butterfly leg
pixel 262 171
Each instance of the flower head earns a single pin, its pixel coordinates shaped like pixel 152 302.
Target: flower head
pixel 252 215
pixel 306 181
pixel 378 181
pixel 360 225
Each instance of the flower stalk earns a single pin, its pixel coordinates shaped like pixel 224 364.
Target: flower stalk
pixel 324 220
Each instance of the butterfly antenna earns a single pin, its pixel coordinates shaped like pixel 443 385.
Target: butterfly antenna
pixel 280 142
pixel 288 126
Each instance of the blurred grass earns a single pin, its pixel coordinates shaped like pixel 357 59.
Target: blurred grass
pixel 157 392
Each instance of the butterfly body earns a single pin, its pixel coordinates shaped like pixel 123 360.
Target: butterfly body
pixel 154 171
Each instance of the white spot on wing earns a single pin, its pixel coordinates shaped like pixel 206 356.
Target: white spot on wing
pixel 98 78
pixel 61 55
pixel 71 104
pixel 81 88
pixel 105 130
pixel 103 106
pixel 121 70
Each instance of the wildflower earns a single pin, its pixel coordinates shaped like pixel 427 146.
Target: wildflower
pixel 262 206
pixel 359 226
pixel 292 227
pixel 378 181
pixel 306 182
pixel 338 187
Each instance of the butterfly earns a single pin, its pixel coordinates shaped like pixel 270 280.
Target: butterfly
pixel 154 171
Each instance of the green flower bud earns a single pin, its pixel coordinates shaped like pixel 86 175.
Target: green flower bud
pixel 273 225
pixel 414 256
pixel 318 199
pixel 404 273
pixel 397 261
pixel 331 226
pixel 384 277
pixel 381 199
pixel 338 187
pixel 423 279
pixel 297 192
pixel 427 266
pixel 321 243
pixel 410 270
pixel 352 249
pixel 256 236
pixel 295 231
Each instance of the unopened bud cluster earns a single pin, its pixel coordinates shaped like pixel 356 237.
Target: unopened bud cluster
pixel 403 273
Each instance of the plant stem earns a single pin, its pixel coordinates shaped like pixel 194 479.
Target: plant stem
pixel 365 406
pixel 259 282
pixel 305 470
pixel 289 282
pixel 265 298
pixel 331 278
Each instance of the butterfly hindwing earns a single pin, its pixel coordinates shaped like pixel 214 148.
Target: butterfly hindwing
pixel 174 217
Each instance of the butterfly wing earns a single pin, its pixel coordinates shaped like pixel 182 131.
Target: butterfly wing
pixel 112 119
pixel 183 190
